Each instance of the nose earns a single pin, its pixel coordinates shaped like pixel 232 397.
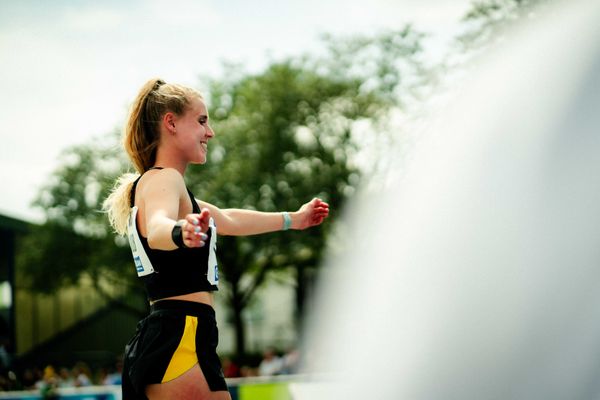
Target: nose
pixel 209 131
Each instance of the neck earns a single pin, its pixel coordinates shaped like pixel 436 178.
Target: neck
pixel 166 160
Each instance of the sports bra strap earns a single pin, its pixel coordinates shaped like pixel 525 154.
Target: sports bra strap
pixel 132 193
pixel 195 206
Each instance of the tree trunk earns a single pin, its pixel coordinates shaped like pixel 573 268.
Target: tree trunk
pixel 300 295
pixel 237 306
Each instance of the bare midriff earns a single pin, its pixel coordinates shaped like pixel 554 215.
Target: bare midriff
pixel 197 297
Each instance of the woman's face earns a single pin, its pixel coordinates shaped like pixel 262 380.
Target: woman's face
pixel 193 132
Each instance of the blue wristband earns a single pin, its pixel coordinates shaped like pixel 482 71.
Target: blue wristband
pixel 287 220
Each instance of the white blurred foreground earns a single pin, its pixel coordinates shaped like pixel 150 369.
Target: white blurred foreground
pixel 477 274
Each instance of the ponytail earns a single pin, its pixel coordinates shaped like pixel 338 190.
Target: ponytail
pixel 141 130
pixel 118 203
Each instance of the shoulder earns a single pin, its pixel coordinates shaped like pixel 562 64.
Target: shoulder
pixel 166 179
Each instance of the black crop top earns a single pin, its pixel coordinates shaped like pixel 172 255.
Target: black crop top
pixel 167 273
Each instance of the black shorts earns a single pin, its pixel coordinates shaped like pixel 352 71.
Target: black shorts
pixel 175 336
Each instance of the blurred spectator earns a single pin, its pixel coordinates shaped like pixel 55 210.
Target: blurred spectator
pixel 49 383
pixel 230 368
pixel 291 359
pixel 114 377
pixel 66 380
pixel 271 364
pixel 102 376
pixel 81 375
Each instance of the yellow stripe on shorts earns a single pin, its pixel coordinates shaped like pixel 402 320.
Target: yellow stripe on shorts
pixel 185 356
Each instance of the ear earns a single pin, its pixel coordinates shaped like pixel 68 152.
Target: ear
pixel 168 121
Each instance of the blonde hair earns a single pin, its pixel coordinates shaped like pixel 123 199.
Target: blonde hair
pixel 141 140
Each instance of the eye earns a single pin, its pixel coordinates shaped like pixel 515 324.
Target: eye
pixel 203 120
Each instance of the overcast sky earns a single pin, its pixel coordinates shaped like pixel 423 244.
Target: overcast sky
pixel 69 69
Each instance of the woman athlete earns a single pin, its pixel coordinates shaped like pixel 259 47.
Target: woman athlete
pixel 173 241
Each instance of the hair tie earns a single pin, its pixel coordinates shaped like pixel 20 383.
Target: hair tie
pixel 158 83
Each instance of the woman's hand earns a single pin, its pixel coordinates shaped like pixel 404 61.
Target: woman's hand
pixel 311 214
pixel 194 229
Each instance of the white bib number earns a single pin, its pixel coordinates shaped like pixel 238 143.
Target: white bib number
pixel 213 268
pixel 143 265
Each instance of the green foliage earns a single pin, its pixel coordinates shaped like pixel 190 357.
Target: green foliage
pixel 284 136
pixel 285 139
pixel 388 66
pixel 486 19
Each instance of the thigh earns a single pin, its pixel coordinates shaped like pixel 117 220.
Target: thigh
pixel 191 385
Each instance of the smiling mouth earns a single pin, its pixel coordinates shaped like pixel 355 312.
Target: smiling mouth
pixel 204 146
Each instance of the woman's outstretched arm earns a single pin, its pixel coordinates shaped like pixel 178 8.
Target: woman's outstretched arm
pixel 239 222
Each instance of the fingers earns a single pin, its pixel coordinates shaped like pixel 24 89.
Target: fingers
pixel 193 231
pixel 317 219
pixel 204 218
pixel 320 208
pixel 318 203
pixel 320 211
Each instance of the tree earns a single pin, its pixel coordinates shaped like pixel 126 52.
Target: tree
pixel 286 135
pixel 486 20
pixel 269 158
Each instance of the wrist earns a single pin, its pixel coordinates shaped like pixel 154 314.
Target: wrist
pixel 287 221
pixel 294 216
pixel 177 234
